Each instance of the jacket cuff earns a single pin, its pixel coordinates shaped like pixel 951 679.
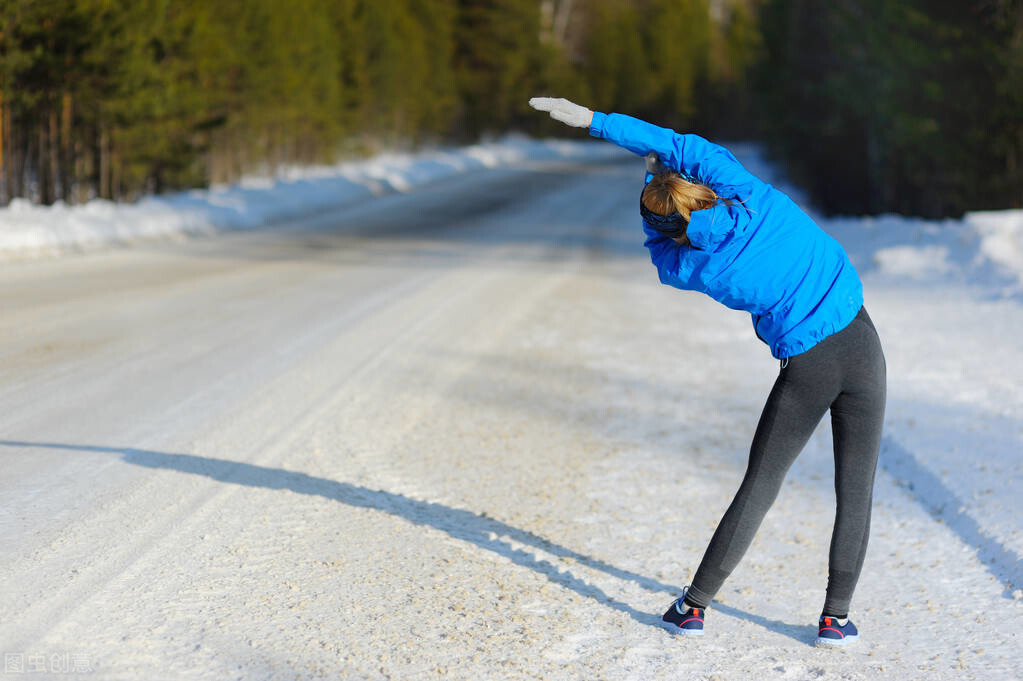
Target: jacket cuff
pixel 597 124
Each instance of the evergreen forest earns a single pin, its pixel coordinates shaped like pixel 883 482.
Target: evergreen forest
pixel 908 106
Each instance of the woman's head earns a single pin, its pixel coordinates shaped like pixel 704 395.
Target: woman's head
pixel 668 193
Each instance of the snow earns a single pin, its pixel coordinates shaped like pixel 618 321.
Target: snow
pixel 31 231
pixel 481 441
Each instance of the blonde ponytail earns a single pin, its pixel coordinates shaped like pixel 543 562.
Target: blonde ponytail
pixel 669 192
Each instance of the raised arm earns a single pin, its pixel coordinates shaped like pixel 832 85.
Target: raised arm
pixel 712 164
pixel 691 154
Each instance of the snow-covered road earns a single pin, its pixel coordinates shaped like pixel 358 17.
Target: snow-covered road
pixel 462 432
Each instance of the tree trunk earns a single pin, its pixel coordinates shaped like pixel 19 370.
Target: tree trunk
pixel 44 189
pixel 116 191
pixel 54 160
pixel 67 160
pixel 4 197
pixel 104 163
pixel 562 15
pixel 19 151
pixel 80 181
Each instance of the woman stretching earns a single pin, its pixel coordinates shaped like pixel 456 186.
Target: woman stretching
pixel 712 226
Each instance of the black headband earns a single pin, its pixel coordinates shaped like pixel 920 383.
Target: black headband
pixel 662 223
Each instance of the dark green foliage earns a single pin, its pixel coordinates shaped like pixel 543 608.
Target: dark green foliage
pixel 117 99
pixel 877 105
pixel 907 106
pixel 497 58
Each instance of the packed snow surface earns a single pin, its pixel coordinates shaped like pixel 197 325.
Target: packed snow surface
pixel 454 428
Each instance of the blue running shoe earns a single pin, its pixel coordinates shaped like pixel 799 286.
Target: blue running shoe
pixel 832 632
pixel 681 619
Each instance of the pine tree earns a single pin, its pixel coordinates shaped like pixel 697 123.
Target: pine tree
pixel 497 61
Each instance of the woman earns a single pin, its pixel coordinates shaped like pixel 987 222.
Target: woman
pixel 712 226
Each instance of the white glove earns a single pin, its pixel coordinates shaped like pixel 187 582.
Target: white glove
pixel 563 110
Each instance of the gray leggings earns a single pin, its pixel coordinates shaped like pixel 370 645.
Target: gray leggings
pixel 845 373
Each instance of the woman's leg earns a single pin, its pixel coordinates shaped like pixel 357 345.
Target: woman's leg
pixel 857 417
pixel 801 395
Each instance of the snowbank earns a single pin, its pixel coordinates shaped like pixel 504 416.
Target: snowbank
pixel 983 249
pixel 31 231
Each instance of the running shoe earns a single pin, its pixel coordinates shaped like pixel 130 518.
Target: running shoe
pixel 832 632
pixel 682 619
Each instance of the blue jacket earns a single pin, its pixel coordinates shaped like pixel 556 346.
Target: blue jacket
pixel 765 256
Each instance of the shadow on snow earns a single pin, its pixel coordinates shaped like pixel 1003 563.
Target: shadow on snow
pixel 476 528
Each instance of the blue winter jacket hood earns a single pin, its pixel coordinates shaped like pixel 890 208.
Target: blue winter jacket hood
pixel 764 255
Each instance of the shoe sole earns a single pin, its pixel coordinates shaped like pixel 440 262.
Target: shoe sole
pixel 679 631
pixel 835 642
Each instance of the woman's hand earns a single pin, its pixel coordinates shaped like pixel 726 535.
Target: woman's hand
pixel 654 165
pixel 563 110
